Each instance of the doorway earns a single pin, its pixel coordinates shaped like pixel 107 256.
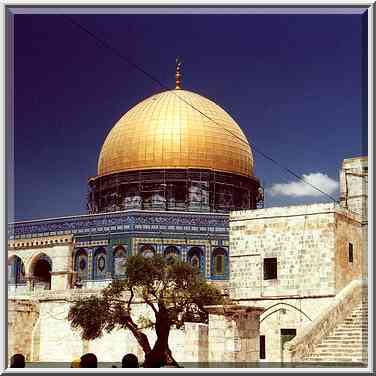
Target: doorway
pixel 286 335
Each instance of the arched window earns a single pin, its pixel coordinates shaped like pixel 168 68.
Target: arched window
pixel 16 271
pixel 81 264
pixel 196 259
pixel 219 262
pixel 100 264
pixel 147 250
pixel 171 252
pixel 120 256
pixel 41 272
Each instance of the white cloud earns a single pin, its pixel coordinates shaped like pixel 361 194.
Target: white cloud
pixel 300 189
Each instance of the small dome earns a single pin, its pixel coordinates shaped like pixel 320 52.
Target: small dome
pixel 164 132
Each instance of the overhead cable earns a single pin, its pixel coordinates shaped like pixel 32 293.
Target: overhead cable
pixel 131 63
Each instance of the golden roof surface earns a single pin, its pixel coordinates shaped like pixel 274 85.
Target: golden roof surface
pixel 164 131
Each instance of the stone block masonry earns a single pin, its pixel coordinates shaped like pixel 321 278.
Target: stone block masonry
pixel 22 317
pixel 234 333
pixel 354 186
pixel 309 244
pixel 196 342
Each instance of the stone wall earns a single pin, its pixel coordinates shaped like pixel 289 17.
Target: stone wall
pixel 48 336
pixel 302 238
pixel 22 317
pixel 354 196
pixel 231 336
pixel 354 185
pixel 196 342
pixel 304 343
pixel 348 230
pixel 234 333
pixel 281 314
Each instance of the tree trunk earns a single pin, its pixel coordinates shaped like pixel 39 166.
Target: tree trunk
pixel 161 354
pixel 141 338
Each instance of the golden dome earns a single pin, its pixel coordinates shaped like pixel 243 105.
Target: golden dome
pixel 164 132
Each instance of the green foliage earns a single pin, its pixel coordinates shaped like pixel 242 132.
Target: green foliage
pixel 170 287
pixel 90 315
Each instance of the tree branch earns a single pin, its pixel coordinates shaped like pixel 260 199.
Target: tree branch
pixel 150 304
pixel 130 298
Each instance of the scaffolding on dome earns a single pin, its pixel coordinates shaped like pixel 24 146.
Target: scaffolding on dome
pixel 174 190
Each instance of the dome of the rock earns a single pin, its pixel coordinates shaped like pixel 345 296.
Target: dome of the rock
pixel 176 129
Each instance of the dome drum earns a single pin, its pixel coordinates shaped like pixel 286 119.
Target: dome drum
pixel 173 189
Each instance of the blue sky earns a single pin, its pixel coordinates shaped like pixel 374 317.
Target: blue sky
pixel 294 83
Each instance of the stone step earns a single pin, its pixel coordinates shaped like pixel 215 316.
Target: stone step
pixel 342 353
pixel 347 337
pixel 353 322
pixel 358 320
pixel 358 315
pixel 340 356
pixel 345 343
pixel 332 345
pixel 334 357
pixel 336 360
pixel 332 350
pixel 345 333
pixel 339 332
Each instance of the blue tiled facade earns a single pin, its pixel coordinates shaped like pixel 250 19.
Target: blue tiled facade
pixel 193 237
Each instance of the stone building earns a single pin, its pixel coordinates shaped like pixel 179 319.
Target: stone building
pixel 167 180
pixel 294 261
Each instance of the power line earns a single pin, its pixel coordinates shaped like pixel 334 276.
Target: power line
pixel 105 44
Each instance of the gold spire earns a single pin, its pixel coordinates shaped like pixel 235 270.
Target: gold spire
pixel 178 74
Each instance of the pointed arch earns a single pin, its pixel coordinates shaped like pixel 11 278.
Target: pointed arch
pixel 100 263
pixel 16 271
pixel 119 259
pixel 196 258
pixel 171 251
pixel 219 263
pixel 81 264
pixel 40 271
pixel 147 250
pixel 278 307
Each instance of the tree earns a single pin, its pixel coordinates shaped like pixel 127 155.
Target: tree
pixel 174 290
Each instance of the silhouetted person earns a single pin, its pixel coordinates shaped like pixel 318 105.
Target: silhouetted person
pixel 17 361
pixel 89 360
pixel 129 361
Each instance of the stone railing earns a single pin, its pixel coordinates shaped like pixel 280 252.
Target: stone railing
pixel 304 343
pixel 69 295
